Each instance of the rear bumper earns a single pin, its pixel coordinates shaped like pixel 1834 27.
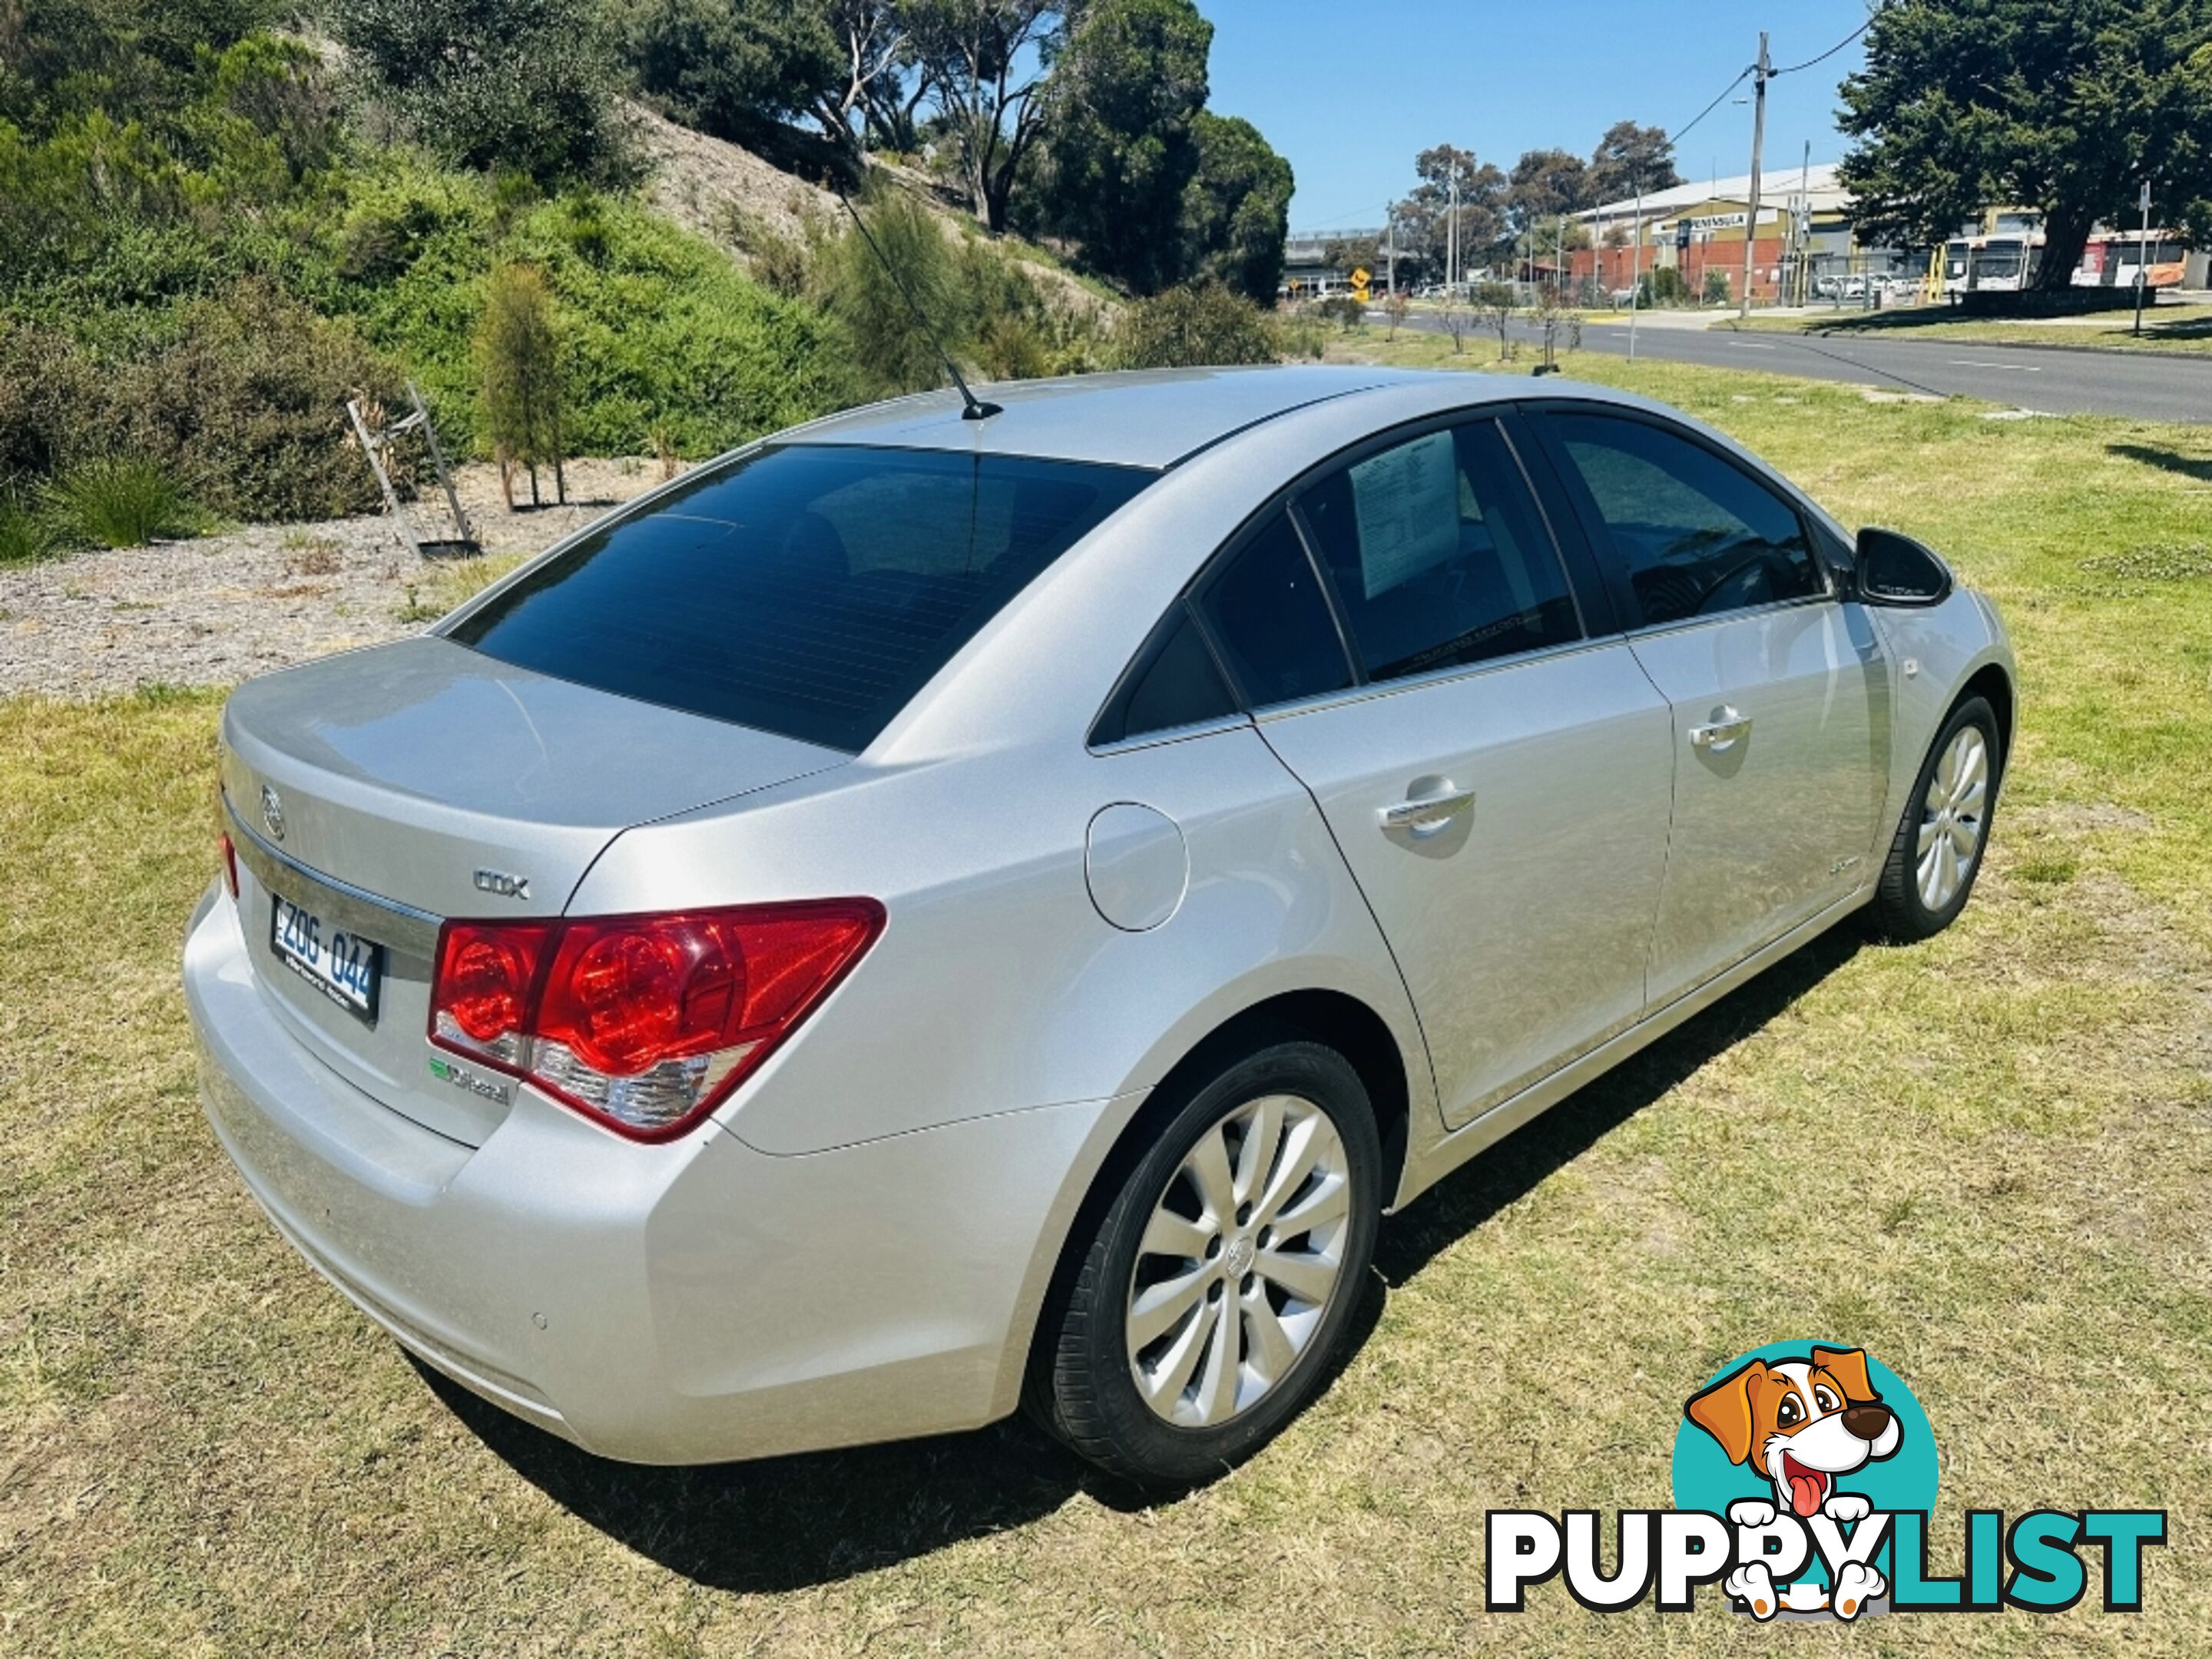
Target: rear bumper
pixel 690 1302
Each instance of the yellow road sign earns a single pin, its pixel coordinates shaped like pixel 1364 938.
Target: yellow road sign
pixel 1359 276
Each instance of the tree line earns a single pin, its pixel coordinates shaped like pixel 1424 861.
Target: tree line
pixel 1084 124
pixel 2068 107
pixel 1501 209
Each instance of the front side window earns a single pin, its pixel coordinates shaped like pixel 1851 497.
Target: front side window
pixel 1266 612
pixel 1438 554
pixel 809 590
pixel 1696 534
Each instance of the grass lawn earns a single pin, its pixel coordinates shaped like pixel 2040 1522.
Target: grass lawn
pixel 1984 1159
pixel 2168 328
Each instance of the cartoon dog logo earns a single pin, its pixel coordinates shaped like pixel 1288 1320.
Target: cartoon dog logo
pixel 1801 1423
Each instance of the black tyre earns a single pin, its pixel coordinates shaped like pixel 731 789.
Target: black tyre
pixel 1937 851
pixel 1214 1289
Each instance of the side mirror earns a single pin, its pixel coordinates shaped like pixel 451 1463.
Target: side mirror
pixel 1894 569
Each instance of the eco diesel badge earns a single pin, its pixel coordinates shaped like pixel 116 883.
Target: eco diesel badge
pixel 272 813
pixel 507 886
pixel 469 1080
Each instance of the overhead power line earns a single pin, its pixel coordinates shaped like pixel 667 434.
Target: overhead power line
pixel 1826 54
pixel 1677 136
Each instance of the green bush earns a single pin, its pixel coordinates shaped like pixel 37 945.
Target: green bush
pixel 732 68
pixel 239 398
pixel 26 534
pixel 527 84
pixel 659 328
pixel 1662 287
pixel 873 285
pixel 117 502
pixel 519 358
pixel 1012 348
pixel 48 383
pixel 247 407
pixel 1203 325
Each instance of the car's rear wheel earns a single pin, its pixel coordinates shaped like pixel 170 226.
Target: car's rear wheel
pixel 1937 852
pixel 1215 1289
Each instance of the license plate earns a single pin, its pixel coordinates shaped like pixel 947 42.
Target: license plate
pixel 345 967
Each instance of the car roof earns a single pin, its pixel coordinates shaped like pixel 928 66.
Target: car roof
pixel 1145 417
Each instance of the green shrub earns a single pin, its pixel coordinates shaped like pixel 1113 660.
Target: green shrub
pixel 519 358
pixel 1301 335
pixel 117 502
pixel 732 68
pixel 661 329
pixel 1012 348
pixel 247 407
pixel 1661 287
pixel 1203 325
pixel 527 84
pixel 783 264
pixel 1346 312
pixel 46 380
pixel 239 398
pixel 874 284
pixel 26 534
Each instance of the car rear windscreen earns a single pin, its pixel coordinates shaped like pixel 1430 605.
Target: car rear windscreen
pixel 808 590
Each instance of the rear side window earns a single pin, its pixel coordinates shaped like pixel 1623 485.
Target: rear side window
pixel 1266 611
pixel 1176 683
pixel 809 590
pixel 1696 534
pixel 1438 554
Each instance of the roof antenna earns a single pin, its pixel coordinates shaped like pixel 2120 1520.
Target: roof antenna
pixel 976 408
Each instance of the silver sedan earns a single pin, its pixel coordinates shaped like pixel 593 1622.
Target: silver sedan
pixel 923 915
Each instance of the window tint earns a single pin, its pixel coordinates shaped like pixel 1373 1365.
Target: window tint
pixel 1438 554
pixel 1697 535
pixel 1176 683
pixel 808 590
pixel 1268 613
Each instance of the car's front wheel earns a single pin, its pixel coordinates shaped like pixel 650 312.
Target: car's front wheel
pixel 1938 849
pixel 1215 1286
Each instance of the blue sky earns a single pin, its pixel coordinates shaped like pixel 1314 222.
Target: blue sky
pixel 1350 91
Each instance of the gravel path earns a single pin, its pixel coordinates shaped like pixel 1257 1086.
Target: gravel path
pixel 214 610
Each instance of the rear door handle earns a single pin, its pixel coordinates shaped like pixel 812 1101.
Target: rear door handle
pixel 1427 814
pixel 1722 734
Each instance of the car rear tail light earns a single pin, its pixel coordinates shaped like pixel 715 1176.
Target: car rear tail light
pixel 643 1022
pixel 229 865
pixel 480 997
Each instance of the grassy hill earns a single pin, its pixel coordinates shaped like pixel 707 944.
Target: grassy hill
pixel 206 247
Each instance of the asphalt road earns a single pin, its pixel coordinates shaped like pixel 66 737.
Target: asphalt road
pixel 2146 385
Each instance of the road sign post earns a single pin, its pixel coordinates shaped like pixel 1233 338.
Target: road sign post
pixel 2142 258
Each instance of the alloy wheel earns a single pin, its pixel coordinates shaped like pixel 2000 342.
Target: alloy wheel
pixel 1239 1262
pixel 1952 816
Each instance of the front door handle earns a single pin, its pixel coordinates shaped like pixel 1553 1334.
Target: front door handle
pixel 1429 814
pixel 1722 734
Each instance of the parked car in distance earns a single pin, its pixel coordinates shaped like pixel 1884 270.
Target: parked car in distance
pixel 926 913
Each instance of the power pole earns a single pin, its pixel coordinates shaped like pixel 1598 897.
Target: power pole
pixel 1635 267
pixel 1757 141
pixel 1391 255
pixel 1804 227
pixel 1451 237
